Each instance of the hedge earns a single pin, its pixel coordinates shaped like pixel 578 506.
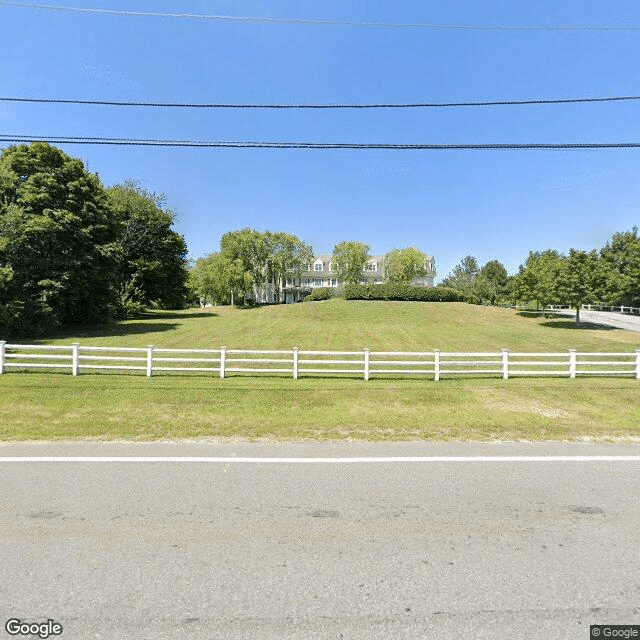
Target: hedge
pixel 401 292
pixel 319 294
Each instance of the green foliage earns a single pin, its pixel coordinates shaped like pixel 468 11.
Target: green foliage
pixel 218 279
pixel 401 292
pixel 537 279
pixel 251 248
pixel 287 254
pixel 578 280
pixel 323 293
pixel 403 265
pixel 463 276
pixel 620 269
pixel 349 261
pixel 152 256
pixel 265 256
pixel 58 250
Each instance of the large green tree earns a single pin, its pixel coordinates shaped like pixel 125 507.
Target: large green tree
pixel 579 279
pixel 349 261
pixel 463 276
pixel 287 255
pixel 538 277
pixel 58 241
pixel 152 256
pixel 251 248
pixel 218 279
pixel 403 265
pixel 620 267
pixel 492 281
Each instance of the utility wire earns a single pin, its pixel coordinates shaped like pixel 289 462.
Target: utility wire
pixel 346 23
pixel 314 145
pixel 383 105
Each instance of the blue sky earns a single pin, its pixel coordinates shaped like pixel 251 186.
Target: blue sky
pixel 490 204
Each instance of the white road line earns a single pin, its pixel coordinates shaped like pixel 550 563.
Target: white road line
pixel 256 460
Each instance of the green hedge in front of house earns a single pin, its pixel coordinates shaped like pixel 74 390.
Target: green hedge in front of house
pixel 319 294
pixel 401 292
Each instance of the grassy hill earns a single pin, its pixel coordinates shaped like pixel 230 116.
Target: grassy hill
pixel 350 324
pixel 56 405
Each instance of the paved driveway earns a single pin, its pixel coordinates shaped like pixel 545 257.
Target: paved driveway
pixel 609 318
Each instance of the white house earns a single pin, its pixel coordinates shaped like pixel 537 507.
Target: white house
pixel 320 273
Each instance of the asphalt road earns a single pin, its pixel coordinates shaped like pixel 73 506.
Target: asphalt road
pixel 325 549
pixel 607 318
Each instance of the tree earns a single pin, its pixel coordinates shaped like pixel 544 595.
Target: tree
pixel 620 266
pixel 578 279
pixel 463 276
pixel 538 277
pixel 58 251
pixel 218 279
pixel 287 254
pixel 492 281
pixel 403 265
pixel 251 248
pixel 152 257
pixel 349 261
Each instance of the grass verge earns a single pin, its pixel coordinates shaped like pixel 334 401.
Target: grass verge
pixel 56 406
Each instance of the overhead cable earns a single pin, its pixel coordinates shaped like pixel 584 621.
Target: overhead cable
pixel 381 105
pixel 316 145
pixel 310 21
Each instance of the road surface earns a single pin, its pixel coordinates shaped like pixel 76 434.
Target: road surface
pixel 307 547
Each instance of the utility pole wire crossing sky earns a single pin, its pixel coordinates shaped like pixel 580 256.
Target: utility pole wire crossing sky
pixel 320 22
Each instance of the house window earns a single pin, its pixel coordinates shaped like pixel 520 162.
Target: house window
pixel 334 282
pixel 317 282
pixel 318 266
pixel 372 266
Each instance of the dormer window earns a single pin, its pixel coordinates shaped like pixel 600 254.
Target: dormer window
pixel 372 266
pixel 318 266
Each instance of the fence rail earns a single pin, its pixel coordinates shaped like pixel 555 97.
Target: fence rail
pixel 594 307
pixel 297 362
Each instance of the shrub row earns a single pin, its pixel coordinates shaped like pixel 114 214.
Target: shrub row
pixel 401 292
pixel 319 294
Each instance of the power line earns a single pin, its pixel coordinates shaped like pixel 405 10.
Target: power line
pixel 383 105
pixel 341 23
pixel 228 144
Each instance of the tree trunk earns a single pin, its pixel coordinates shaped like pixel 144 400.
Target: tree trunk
pixel 577 314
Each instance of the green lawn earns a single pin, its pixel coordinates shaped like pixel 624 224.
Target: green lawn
pixel 56 405
pixel 352 325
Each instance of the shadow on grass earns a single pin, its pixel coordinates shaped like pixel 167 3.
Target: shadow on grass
pixel 572 324
pixel 538 314
pixel 175 315
pixel 104 330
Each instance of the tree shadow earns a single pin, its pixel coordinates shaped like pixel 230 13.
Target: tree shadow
pixel 572 324
pixel 174 315
pixel 539 314
pixel 105 330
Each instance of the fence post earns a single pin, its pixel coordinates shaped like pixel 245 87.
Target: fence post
pixel 637 364
pixel 366 364
pixel 505 364
pixel 436 364
pixel 295 363
pixel 75 358
pixel 2 351
pixel 149 360
pixel 572 363
pixel 223 356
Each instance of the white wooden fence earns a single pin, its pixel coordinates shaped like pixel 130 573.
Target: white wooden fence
pixel 297 362
pixel 597 307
